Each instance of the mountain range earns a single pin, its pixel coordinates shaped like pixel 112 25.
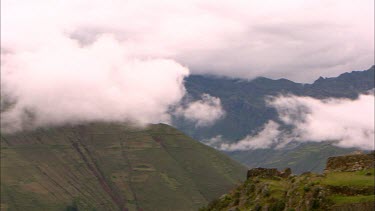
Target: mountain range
pixel 246 112
pixel 116 166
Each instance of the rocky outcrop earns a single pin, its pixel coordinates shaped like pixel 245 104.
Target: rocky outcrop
pixel 350 191
pixel 354 207
pixel 354 162
pixel 268 173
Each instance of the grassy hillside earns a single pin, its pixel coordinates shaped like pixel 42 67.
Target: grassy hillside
pixel 268 189
pixel 111 167
pixel 305 192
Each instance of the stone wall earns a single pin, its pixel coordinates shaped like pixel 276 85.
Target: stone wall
pixel 355 162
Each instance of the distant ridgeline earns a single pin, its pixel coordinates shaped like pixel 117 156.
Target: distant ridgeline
pixel 347 184
pixel 244 104
pixel 246 112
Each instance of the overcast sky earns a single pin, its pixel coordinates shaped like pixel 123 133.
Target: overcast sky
pixel 72 61
pixel 298 40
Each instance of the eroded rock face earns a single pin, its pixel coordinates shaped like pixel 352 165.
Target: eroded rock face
pixel 354 162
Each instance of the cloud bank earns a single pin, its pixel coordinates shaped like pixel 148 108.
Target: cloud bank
pixel 344 122
pixel 298 40
pixel 204 112
pixel 75 61
pixel 99 82
pixel 350 123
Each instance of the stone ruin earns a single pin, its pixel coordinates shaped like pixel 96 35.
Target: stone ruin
pixel 268 173
pixel 354 162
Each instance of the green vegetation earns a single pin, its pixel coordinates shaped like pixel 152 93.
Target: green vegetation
pixel 339 199
pixel 111 167
pixel 358 178
pixel 305 192
pixel 276 187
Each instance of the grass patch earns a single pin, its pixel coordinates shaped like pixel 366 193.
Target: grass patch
pixel 350 178
pixel 277 187
pixel 339 199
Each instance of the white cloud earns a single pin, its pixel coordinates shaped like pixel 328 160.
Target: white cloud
pixel 204 112
pixel 214 142
pixel 264 139
pixel 350 123
pixel 344 122
pixel 99 82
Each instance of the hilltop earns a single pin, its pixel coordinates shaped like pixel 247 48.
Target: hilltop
pixel 111 167
pixel 347 184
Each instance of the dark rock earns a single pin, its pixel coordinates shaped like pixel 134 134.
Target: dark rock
pixel 286 173
pixel 262 172
pixel 307 173
pixel 351 191
pixel 268 173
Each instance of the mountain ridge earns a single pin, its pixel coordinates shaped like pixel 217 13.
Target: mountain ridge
pixel 247 112
pixel 240 97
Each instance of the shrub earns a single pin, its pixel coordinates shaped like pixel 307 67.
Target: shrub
pixel 277 206
pixel 306 188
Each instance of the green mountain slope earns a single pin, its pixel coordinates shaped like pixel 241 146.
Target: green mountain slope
pixel 111 167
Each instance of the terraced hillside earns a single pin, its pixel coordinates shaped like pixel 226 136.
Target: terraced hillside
pixel 347 184
pixel 111 167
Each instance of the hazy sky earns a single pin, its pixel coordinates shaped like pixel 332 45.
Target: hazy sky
pixel 73 61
